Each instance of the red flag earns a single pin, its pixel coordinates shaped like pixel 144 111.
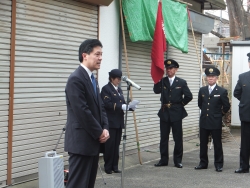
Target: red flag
pixel 158 48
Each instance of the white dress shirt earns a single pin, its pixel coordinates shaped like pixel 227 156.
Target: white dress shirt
pixel 116 88
pixel 88 71
pixel 171 79
pixel 212 87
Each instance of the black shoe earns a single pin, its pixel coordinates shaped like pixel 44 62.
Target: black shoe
pixel 178 165
pixel 199 167
pixel 117 171
pixel 108 171
pixel 240 170
pixel 161 164
pixel 218 169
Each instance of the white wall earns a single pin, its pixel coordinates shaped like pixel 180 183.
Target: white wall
pixel 109 20
pixel 239 65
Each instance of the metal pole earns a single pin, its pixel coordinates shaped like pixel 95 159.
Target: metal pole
pixel 220 28
pixel 222 69
pixel 101 173
pixel 124 136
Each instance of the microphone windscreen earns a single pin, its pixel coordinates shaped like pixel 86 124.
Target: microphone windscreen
pixel 124 78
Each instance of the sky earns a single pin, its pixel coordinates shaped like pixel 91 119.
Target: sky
pixel 224 12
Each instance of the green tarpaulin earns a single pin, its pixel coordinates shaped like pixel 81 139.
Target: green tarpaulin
pixel 140 16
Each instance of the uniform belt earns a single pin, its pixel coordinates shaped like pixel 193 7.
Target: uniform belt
pixel 169 105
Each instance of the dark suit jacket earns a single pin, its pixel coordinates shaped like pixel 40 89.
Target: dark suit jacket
pixel 86 116
pixel 113 105
pixel 173 94
pixel 242 93
pixel 213 107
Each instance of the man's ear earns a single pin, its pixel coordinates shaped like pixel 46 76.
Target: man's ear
pixel 84 55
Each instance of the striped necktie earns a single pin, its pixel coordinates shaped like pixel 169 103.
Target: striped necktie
pixel 118 91
pixel 210 90
pixel 170 81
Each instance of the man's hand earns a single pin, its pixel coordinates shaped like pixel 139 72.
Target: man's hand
pixel 104 136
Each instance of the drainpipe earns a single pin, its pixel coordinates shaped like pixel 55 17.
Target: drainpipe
pixel 11 91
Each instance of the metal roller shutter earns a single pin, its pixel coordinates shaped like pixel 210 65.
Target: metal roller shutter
pixel 48 35
pixel 5 35
pixel 139 61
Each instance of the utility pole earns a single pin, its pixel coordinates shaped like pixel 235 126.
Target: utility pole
pixel 220 29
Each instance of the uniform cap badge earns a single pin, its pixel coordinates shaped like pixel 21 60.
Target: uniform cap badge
pixel 169 62
pixel 211 70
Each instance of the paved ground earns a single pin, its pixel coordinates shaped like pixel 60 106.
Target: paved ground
pixel 148 176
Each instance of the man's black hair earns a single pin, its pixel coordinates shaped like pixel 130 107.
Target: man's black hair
pixel 87 47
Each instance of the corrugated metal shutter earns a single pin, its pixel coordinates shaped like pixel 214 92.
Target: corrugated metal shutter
pixel 48 36
pixel 139 60
pixel 5 34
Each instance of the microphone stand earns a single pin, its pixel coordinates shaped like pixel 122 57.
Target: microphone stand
pixel 124 136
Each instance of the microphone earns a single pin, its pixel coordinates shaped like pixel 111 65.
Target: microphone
pixel 124 78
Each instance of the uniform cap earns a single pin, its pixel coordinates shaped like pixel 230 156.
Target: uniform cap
pixel 212 71
pixel 115 73
pixel 171 63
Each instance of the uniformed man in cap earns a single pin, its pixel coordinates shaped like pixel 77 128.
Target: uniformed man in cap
pixel 115 105
pixel 175 94
pixel 241 92
pixel 214 103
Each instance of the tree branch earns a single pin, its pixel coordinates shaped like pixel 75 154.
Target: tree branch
pixel 217 34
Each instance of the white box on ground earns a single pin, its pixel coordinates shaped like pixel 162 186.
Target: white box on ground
pixel 50 170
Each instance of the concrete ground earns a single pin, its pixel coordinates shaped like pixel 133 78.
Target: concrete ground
pixel 148 176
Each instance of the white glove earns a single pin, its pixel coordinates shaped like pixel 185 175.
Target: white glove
pixel 124 107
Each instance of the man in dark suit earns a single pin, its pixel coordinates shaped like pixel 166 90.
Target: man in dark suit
pixel 175 94
pixel 214 103
pixel 87 124
pixel 241 92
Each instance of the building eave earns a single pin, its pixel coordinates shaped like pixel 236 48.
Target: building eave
pixel 98 2
pixel 214 5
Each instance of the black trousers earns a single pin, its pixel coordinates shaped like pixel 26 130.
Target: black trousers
pixel 111 154
pixel 178 139
pixel 82 171
pixel 218 151
pixel 245 145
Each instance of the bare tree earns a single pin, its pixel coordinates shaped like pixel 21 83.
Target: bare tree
pixel 248 5
pixel 239 19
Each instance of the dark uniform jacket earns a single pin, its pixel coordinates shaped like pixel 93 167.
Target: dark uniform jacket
pixel 86 116
pixel 113 104
pixel 213 107
pixel 173 94
pixel 242 93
